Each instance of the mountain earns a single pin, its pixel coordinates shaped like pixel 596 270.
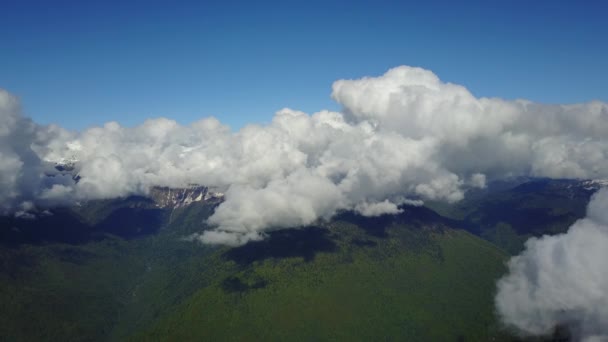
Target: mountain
pixel 125 269
pixel 129 217
pixel 65 164
pixel 166 197
pixel 507 213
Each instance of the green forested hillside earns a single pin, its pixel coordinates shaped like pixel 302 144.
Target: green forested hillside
pixel 406 277
pixel 413 284
pixel 71 277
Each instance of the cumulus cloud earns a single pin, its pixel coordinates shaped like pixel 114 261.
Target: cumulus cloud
pixel 561 280
pixel 402 137
pixel 22 173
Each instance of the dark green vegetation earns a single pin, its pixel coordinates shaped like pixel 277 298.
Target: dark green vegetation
pixel 121 269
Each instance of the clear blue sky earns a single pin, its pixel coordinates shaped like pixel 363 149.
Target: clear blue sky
pixel 82 63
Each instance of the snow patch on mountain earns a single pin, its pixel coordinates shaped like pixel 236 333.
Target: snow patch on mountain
pixel 166 197
pixel 594 184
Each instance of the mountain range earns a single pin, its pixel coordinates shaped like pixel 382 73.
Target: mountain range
pixel 129 268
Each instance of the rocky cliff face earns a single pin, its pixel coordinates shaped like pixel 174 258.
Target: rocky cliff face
pixel 166 197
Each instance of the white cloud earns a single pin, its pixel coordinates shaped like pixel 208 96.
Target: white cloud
pixel 561 280
pixel 21 170
pixel 403 134
pixel 377 208
pixel 478 180
pixel 297 200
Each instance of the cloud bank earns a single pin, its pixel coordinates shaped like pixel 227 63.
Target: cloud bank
pixel 402 137
pixel 561 280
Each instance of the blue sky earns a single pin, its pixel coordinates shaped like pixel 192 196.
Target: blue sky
pixel 82 63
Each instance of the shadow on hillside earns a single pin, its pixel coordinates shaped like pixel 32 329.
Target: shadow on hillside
pixel 61 227
pixel 533 207
pixel 305 243
pixel 417 217
pixel 130 223
pixel 66 227
pixel 235 284
pixel 374 226
pixel 523 220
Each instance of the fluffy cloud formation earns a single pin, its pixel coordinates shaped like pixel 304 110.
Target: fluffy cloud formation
pixel 402 137
pixel 23 177
pixel 561 280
